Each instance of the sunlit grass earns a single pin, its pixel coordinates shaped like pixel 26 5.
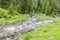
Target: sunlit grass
pixel 46 32
pixel 14 19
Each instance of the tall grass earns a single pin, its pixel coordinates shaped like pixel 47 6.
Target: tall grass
pixel 47 7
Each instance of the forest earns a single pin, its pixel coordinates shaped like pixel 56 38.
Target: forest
pixel 33 12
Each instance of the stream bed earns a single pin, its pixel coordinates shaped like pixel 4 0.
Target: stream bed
pixel 13 32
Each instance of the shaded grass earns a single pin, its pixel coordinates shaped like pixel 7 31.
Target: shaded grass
pixel 46 32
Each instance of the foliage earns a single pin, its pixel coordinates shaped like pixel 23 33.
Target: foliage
pixel 48 7
pixel 12 8
pixel 46 32
pixel 4 13
pixel 5 3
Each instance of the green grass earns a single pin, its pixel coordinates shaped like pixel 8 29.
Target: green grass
pixel 14 19
pixel 43 17
pixel 46 32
